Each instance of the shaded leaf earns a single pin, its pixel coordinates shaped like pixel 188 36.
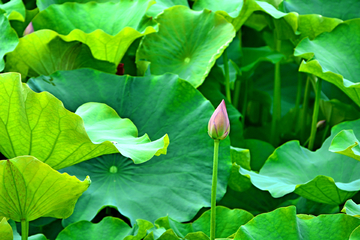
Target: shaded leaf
pixel 32 189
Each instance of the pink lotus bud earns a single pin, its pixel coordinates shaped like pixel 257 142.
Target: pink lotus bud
pixel 29 29
pixel 219 125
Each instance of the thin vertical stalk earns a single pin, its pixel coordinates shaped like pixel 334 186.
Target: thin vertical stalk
pixel 245 102
pixel 298 95
pixel 227 76
pixel 237 93
pixel 277 99
pixel 304 109
pixel 24 229
pixel 213 190
pixel 315 114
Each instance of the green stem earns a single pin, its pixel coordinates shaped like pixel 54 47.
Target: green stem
pixel 277 99
pixel 213 190
pixel 24 229
pixel 304 109
pixel 237 93
pixel 244 107
pixel 298 96
pixel 227 76
pixel 315 114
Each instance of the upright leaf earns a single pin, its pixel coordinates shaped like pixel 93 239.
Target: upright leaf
pixel 8 39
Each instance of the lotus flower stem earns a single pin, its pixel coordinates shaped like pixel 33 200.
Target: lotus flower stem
pixel 237 93
pixel 227 76
pixel 276 116
pixel 244 107
pixel 213 190
pixel 315 114
pixel 298 95
pixel 304 109
pixel 24 229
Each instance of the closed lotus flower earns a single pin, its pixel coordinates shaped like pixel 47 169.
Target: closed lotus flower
pixel 219 125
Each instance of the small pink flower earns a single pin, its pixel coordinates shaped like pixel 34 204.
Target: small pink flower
pixel 219 125
pixel 29 29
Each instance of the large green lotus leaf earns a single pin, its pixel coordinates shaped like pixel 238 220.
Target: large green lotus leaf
pixel 43 4
pixel 31 189
pixel 44 52
pixel 355 235
pixel 8 39
pixel 351 208
pixel 15 10
pixel 346 9
pixel 189 55
pixel 283 223
pixel 37 124
pixel 227 223
pixel 102 123
pixel 341 68
pixel 161 5
pixel 321 176
pixel 153 104
pixel 109 227
pixel 6 232
pixel 109 30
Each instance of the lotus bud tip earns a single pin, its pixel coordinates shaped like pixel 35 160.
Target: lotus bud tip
pixel 219 124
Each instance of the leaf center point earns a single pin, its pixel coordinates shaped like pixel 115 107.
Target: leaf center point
pixel 113 169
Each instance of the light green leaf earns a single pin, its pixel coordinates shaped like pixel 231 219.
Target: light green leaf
pixel 15 10
pixel 102 123
pixel 189 55
pixel 341 68
pixel 283 223
pixel 43 4
pixel 112 228
pixel 8 39
pixel 351 208
pixel 32 189
pixel 346 143
pixel 44 52
pixel 108 31
pixel 161 5
pixel 6 232
pixel 39 125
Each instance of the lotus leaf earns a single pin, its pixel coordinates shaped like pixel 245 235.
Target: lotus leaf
pixel 43 4
pixel 227 223
pixel 38 124
pixel 344 10
pixel 155 104
pixel 321 176
pixel 355 235
pixel 189 55
pixel 340 69
pixel 44 52
pixel 6 232
pixel 283 223
pixel 32 189
pixel 108 31
pixel 351 208
pixel 161 5
pixel 109 227
pixel 8 39
pixel 239 157
pixel 15 10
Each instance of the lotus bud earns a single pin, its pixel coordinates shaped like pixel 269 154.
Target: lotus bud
pixel 219 125
pixel 29 29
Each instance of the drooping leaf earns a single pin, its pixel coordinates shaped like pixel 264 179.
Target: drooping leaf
pixel 344 10
pixel 102 123
pixel 341 68
pixel 108 31
pixel 44 52
pixel 153 104
pixel 6 232
pixel 181 52
pixel 39 125
pixel 227 223
pixel 8 39
pixel 346 143
pixel 321 176
pixel 15 10
pixel 161 5
pixel 31 189
pixel 109 227
pixel 283 223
